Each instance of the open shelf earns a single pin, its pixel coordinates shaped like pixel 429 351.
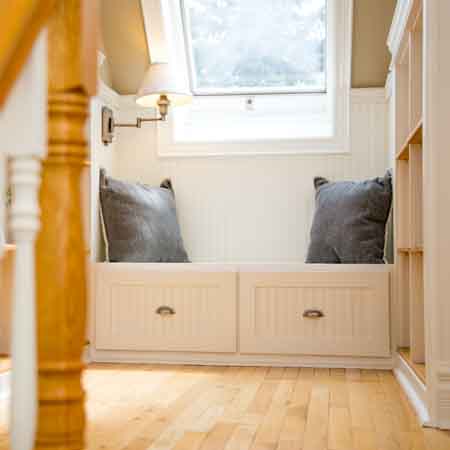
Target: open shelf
pixel 414 138
pixel 418 369
pixel 409 209
pixel 410 250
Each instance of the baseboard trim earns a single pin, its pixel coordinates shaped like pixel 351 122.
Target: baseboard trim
pixel 5 385
pixel 414 389
pixel 131 357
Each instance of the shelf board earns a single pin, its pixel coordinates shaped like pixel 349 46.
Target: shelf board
pixel 410 249
pixel 414 138
pixel 418 369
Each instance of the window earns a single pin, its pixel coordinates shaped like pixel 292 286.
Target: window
pixel 256 46
pixel 268 76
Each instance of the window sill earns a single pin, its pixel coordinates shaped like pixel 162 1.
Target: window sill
pixel 279 125
pixel 168 148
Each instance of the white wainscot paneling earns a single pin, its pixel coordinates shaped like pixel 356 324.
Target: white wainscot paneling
pixel 355 308
pixel 254 208
pixel 129 295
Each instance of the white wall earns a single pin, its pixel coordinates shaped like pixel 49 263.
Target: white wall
pixel 253 208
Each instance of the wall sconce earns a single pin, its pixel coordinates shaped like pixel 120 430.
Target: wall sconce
pixel 158 90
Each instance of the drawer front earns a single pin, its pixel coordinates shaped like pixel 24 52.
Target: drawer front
pixel 315 313
pixel 148 311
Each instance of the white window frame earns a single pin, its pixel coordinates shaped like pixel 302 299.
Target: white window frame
pixel 245 91
pixel 161 15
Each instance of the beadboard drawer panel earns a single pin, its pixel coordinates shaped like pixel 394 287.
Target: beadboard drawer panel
pixel 128 297
pixel 355 307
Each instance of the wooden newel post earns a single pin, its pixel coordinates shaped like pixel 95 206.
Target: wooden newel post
pixel 61 283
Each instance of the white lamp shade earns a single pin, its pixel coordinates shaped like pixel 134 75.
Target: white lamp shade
pixel 158 81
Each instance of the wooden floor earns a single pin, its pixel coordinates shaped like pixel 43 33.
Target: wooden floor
pixel 419 369
pixel 233 408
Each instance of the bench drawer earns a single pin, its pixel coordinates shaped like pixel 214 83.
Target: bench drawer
pixel 147 310
pixel 315 313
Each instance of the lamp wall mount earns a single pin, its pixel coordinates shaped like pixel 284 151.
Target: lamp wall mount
pixel 109 124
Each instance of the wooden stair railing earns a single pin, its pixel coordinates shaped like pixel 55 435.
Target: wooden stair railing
pixel 60 251
pixel 61 283
pixel 21 22
pixel 22 127
pixel 22 67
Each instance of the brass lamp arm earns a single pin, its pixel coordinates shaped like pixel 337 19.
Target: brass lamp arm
pixel 138 123
pixel 108 123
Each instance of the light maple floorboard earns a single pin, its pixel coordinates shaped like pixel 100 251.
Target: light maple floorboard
pixel 151 407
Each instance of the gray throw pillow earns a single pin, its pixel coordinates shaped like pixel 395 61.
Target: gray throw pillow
pixel 349 223
pixel 140 222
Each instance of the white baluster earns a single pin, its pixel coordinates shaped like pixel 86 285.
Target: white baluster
pixel 24 223
pixel 23 127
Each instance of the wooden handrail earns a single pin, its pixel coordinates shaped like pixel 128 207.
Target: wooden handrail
pixel 22 20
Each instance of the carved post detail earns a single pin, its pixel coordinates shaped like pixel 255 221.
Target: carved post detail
pixel 61 284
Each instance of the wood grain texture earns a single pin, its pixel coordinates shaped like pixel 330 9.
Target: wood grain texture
pixel 61 284
pixel 22 20
pixel 152 407
pixel 6 285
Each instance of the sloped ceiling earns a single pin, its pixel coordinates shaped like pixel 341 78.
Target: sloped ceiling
pixel 125 43
pixel 370 60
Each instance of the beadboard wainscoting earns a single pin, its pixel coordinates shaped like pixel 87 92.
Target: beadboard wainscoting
pixel 251 208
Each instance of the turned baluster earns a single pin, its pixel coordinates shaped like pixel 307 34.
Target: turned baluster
pixel 61 280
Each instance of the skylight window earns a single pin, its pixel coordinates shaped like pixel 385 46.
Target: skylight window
pixel 268 76
pixel 256 46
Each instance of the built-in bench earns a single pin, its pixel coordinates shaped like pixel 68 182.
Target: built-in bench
pixel 286 314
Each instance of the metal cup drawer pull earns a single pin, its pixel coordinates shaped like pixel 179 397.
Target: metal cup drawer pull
pixel 313 314
pixel 165 311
